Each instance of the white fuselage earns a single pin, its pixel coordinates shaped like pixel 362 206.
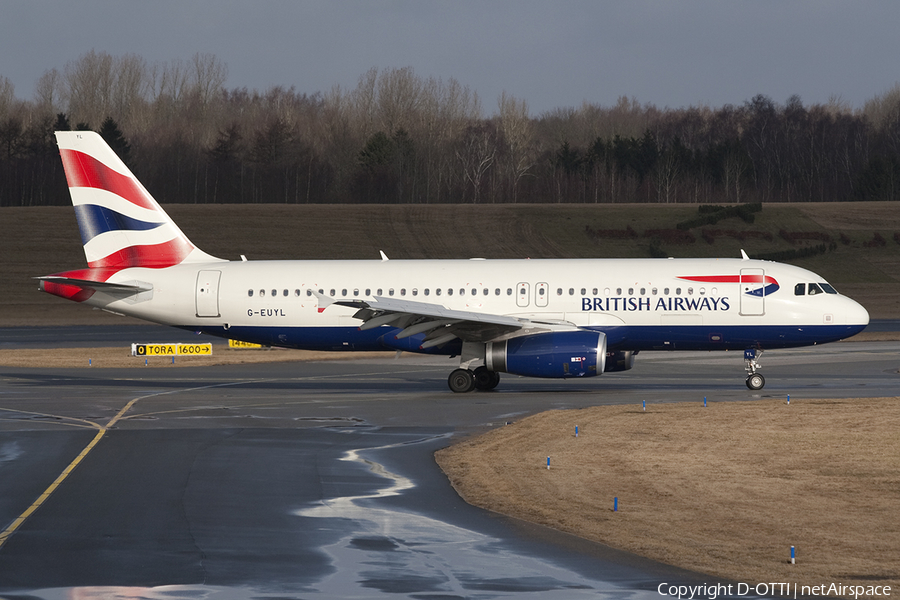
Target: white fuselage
pixel 641 304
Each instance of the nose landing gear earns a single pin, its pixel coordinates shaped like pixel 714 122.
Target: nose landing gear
pixel 755 380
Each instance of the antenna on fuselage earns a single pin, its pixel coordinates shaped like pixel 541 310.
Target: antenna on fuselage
pixel 744 255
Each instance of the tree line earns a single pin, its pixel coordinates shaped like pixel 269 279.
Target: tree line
pixel 398 137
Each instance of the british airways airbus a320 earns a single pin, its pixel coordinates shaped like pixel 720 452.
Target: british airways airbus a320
pixel 537 318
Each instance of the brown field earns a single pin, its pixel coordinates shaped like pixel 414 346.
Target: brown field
pixel 723 490
pixel 45 240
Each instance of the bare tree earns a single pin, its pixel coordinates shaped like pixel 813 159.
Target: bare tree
pixel 517 133
pixel 476 152
pixel 88 85
pixel 399 95
pixel 47 92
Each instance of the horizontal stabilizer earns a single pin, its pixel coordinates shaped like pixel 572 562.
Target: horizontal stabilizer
pixel 97 286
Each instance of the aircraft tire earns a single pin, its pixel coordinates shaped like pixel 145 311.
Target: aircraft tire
pixel 486 380
pixel 461 381
pixel 756 381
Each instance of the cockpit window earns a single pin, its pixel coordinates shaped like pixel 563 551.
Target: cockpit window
pixel 828 289
pixel 814 289
pixel 800 289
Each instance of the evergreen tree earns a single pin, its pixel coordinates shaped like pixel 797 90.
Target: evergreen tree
pixel 109 131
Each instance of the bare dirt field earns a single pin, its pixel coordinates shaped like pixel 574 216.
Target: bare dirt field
pixel 724 490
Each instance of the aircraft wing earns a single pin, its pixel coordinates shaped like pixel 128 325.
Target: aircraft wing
pixel 440 324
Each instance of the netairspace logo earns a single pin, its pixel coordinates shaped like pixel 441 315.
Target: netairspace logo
pixel 779 589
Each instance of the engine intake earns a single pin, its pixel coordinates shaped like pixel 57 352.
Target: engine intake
pixel 619 361
pixel 554 354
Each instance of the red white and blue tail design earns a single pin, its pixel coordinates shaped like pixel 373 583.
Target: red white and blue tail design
pixel 121 224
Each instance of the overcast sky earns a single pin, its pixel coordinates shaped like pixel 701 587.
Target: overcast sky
pixel 551 54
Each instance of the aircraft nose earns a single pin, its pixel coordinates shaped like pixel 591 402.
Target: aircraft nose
pixel 855 313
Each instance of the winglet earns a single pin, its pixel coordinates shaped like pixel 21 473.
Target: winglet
pixel 744 255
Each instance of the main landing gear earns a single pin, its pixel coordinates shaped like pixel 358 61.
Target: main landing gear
pixel 466 380
pixel 755 380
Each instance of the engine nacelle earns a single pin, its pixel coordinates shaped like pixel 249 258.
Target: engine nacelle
pixel 619 361
pixel 552 354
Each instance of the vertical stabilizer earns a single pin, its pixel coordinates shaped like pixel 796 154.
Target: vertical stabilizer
pixel 121 224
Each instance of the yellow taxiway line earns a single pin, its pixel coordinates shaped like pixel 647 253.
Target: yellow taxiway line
pixel 17 522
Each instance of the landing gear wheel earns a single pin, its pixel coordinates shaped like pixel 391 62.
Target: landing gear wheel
pixel 755 381
pixel 461 381
pixel 486 380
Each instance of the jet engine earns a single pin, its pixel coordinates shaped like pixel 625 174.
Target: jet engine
pixel 551 354
pixel 619 361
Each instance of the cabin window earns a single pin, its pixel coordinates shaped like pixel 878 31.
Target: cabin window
pixel 653 291
pixel 631 291
pixel 355 292
pixel 474 291
pixel 666 291
pixel 437 292
pixel 509 291
pixel 262 293
pixel 571 291
pixel 814 289
pixel 702 291
pixel 584 291
pixel 462 291
pixel 309 292
pixel 322 292
pixel 618 291
pixel 297 293
pixel 368 291
pixel 344 293
pixel 391 292
pixel 690 291
pixel 643 291
pixel 449 291
pixel 677 291
pixel 595 291
pixel 559 291
pixel 402 291
pixel 250 293
pixel 485 291
pixel 541 291
pixel 379 292
pixel 427 291
pixel 274 293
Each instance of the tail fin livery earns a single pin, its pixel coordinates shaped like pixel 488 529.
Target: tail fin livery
pixel 121 224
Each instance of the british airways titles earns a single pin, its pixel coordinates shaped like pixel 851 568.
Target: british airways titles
pixel 631 304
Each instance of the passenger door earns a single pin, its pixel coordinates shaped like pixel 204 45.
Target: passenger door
pixel 208 293
pixel 753 292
